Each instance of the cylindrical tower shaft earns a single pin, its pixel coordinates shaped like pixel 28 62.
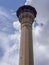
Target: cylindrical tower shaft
pixel 26 49
pixel 26 16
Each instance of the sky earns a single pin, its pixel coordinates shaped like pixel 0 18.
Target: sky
pixel 10 30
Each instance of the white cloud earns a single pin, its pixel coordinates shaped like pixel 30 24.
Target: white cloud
pixel 9 43
pixel 42 12
pixel 16 25
pixel 11 52
pixel 37 30
pixel 4 13
pixel 6 20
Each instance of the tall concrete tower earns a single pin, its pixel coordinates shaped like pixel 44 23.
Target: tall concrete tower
pixel 26 15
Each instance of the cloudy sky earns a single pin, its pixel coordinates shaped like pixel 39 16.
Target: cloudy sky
pixel 10 31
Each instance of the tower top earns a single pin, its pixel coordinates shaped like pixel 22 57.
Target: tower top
pixel 26 8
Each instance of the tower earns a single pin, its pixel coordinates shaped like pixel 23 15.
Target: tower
pixel 26 15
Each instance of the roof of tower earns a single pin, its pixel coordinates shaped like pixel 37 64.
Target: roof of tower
pixel 26 8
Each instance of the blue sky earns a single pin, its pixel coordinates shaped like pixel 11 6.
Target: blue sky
pixel 12 4
pixel 9 7
pixel 10 31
